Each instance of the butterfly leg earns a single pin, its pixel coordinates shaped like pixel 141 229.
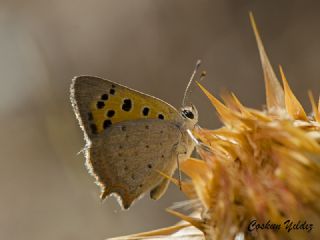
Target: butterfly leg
pixel 160 189
pixel 182 150
pixel 179 152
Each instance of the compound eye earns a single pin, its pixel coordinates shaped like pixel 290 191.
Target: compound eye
pixel 188 114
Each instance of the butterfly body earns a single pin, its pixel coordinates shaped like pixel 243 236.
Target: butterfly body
pixel 131 137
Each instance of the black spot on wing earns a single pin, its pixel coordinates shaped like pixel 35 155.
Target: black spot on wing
pixel 110 113
pixel 145 111
pixel 100 104
pixel 104 97
pixel 94 128
pixel 127 105
pixel 106 124
pixel 160 116
pixel 112 91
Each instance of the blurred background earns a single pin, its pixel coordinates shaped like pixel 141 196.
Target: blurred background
pixel 151 46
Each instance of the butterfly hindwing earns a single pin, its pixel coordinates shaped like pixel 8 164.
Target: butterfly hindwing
pixel 128 158
pixel 99 103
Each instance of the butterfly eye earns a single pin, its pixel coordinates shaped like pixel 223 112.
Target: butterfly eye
pixel 187 114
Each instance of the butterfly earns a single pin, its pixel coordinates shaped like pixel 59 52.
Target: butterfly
pixel 131 137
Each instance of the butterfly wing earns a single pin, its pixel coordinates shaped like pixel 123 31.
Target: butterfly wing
pixel 99 103
pixel 128 158
pixel 130 136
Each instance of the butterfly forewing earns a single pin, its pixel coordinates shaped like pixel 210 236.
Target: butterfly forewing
pixel 100 103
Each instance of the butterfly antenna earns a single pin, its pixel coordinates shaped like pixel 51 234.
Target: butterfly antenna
pixel 187 92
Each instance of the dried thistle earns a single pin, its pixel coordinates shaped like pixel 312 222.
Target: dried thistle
pixel 261 167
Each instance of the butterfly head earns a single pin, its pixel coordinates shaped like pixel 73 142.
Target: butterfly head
pixel 190 115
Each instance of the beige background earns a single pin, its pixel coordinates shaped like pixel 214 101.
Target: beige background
pixel 151 46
